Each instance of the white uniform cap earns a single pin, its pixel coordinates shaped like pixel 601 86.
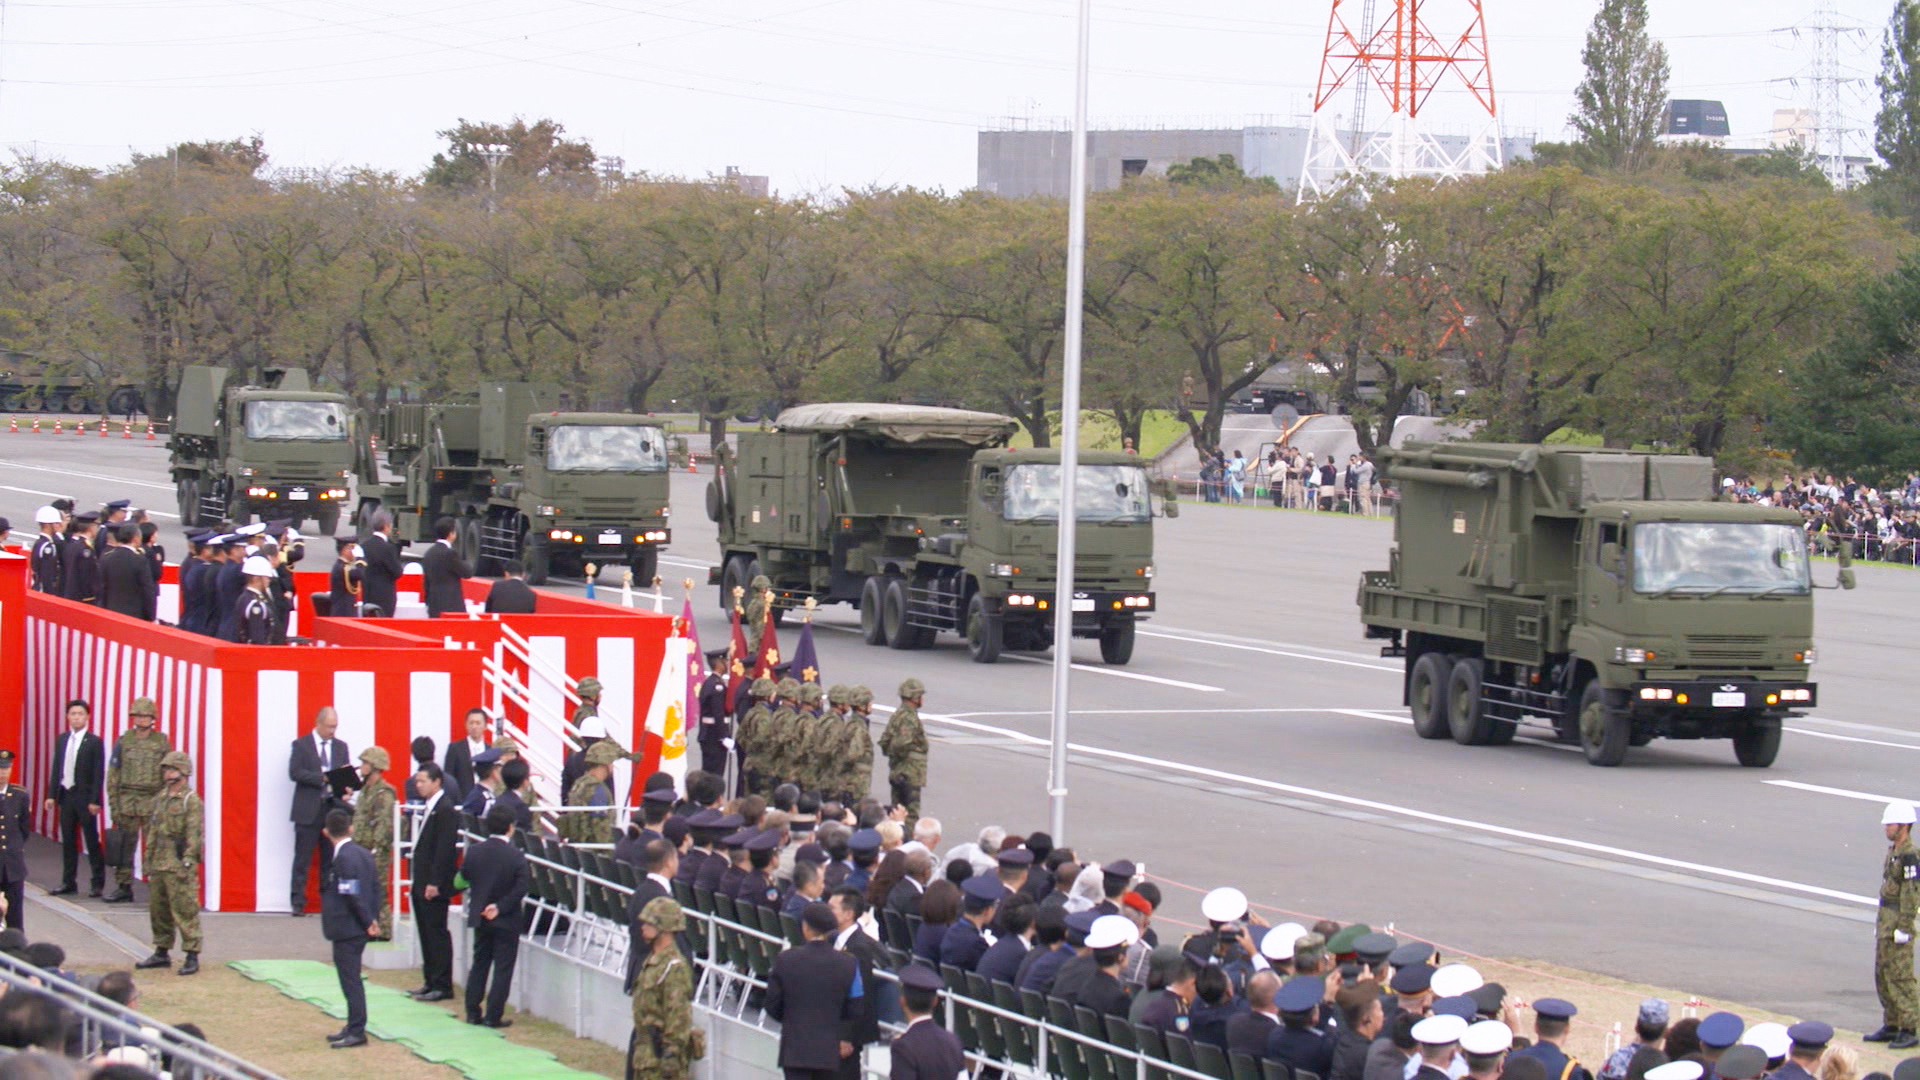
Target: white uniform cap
pixel 1676 1070
pixel 254 529
pixel 1224 904
pixel 1769 1037
pixel 1112 931
pixel 1897 813
pixel 1452 980
pixel 359 552
pixel 1487 1037
pixel 257 566
pixel 47 515
pixel 593 727
pixel 1440 1030
pixel 1277 943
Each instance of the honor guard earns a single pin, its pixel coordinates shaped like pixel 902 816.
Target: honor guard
pixel 905 744
pixel 79 563
pixel 253 611
pixel 15 821
pixel 46 550
pixel 133 780
pixel 1893 932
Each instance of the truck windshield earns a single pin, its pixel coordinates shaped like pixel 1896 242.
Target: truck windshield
pixel 1107 493
pixel 1719 557
pixel 606 448
pixel 324 421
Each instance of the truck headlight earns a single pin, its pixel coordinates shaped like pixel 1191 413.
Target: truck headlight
pixel 1627 654
pixel 1796 693
pixel 655 535
pixel 559 534
pixel 1146 571
pixel 1805 656
pixel 1001 569
pixel 259 493
pixel 246 470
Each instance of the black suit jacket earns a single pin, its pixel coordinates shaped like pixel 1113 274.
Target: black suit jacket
pixel 126 583
pixel 1248 1033
pixel 927 1051
pixel 443 570
pixel 643 893
pixel 79 570
pixel 88 773
pixel 905 897
pixel 511 596
pixel 496 875
pixel 312 798
pixel 458 764
pixel 815 993
pixel 433 848
pixel 866 1027
pixel 522 813
pixel 382 573
pixel 350 894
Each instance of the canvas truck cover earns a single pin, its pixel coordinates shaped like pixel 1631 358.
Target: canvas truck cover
pixel 907 424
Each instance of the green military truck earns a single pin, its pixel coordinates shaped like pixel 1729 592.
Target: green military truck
pixel 280 450
pixel 924 520
pixel 555 490
pixel 1604 594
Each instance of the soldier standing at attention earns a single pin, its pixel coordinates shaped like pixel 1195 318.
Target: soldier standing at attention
pixel 756 616
pixel 665 1042
pixel 46 550
pixel 79 563
pixel 16 809
pixel 858 751
pixel 133 779
pixel 776 738
pixel 905 744
pixel 595 826
pixel 373 826
pixel 803 767
pixel 1893 932
pixel 748 737
pixel 825 749
pixel 174 851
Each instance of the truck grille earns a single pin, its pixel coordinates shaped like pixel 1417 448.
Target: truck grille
pixel 1092 565
pixel 1727 647
pixel 596 508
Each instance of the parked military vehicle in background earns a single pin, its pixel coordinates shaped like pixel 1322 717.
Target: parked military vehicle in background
pixel 281 450
pixel 29 388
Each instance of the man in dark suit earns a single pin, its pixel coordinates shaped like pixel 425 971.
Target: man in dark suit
pixel 1248 1032
pixel 444 569
pixel 433 866
pixel 461 752
pixel 76 785
pixel 816 994
pixel 313 754
pixel 346 579
pixel 925 1051
pixel 349 915
pixel 881 1001
pixel 16 824
pixel 380 581
pixel 905 897
pixel 662 862
pixel 510 595
pixel 497 881
pixel 126 577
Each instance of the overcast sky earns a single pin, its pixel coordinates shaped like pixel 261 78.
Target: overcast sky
pixel 814 93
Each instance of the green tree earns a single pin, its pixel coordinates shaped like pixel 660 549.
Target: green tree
pixel 1221 173
pixel 534 152
pixel 1854 406
pixel 1622 100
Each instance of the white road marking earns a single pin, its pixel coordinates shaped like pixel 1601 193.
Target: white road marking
pixel 1845 793
pixel 1264 649
pixel 1853 738
pixel 1119 674
pixel 1158 712
pixel 90 476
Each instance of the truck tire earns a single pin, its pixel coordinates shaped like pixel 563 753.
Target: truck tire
pixel 1116 643
pixel 188 491
pixel 872 597
pixel 536 556
pixel 77 403
pixel 1758 744
pixel 1465 718
pixel 328 520
pixel 124 401
pixel 984 631
pixel 466 540
pixel 1604 732
pixel 645 564
pixel 893 616
pixel 733 574
pixel 1427 694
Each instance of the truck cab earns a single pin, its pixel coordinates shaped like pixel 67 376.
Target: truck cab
pixel 594 489
pixel 277 451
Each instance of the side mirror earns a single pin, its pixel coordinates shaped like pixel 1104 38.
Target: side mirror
pixel 990 487
pixel 1610 558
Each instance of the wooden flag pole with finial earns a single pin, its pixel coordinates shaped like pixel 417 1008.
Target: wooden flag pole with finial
pixel 659 594
pixel 739 593
pixel 626 588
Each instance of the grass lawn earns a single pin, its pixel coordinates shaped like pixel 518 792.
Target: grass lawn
pixel 1159 430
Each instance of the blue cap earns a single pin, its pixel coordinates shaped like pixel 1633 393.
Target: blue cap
pixel 729 821
pixel 764 840
pixel 983 891
pixel 864 840
pixel 811 852
pixel 1459 1005
pixel 1719 1030
pixel 1119 868
pixel 1557 1009
pixel 486 757
pixel 1300 993
pixel 119 504
pixel 1811 1034
pixel 704 818
pixel 918 977
pixel 1413 979
pixel 1011 857
pixel 739 838
pixel 1079 923
pixel 1413 952
pixel 661 795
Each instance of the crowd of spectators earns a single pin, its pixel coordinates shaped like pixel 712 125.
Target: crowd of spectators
pixel 1881 524
pixel 43 1038
pixel 1292 478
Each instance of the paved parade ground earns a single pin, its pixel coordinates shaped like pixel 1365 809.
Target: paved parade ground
pixel 1256 739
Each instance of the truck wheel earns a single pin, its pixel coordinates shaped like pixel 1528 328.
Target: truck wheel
pixel 1604 732
pixel 466 540
pixel 363 517
pixel 645 563
pixel 1116 643
pixel 189 494
pixel 872 597
pixel 124 401
pixel 733 574
pixel 535 555
pixel 1465 718
pixel 1758 744
pixel 1427 695
pixel 77 403
pixel 984 634
pixel 328 520
pixel 893 616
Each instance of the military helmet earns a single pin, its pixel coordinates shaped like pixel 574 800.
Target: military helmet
pixel 142 706
pixel 810 693
pixel 860 697
pixel 178 759
pixel 376 756
pixel 605 752
pixel 912 688
pixel 505 745
pixel 589 687
pixel 788 688
pixel 762 687
pixel 838 694
pixel 760 582
pixel 664 915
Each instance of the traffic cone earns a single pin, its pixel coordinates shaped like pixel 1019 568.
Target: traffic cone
pixel 36 425
pixel 126 430
pixel 56 425
pixel 103 429
pixel 13 424
pixel 149 431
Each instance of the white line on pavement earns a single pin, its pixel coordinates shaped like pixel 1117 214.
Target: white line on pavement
pixel 88 475
pixel 1156 712
pixel 1845 793
pixel 1852 738
pixel 1118 674
pixel 1264 649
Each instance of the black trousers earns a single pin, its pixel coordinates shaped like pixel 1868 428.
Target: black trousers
pixel 77 819
pixel 346 964
pixel 16 894
pixel 306 839
pixel 495 952
pixel 436 944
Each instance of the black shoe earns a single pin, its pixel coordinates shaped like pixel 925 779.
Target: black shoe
pixel 192 965
pixel 119 896
pixel 64 890
pixel 418 990
pixel 94 892
pixel 1906 1040
pixel 159 959
pixel 433 995
pixel 348 1042
pixel 1887 1033
pixel 497 1024
pixel 476 1021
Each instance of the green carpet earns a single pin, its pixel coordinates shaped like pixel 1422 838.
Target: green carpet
pixel 427 1029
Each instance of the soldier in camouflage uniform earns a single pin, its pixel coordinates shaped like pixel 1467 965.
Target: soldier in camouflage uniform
pixel 760 598
pixel 664 1044
pixel 905 744
pixel 750 736
pixel 823 749
pixel 776 738
pixel 591 790
pixel 133 779
pixel 373 826
pixel 857 752
pixel 804 768
pixel 175 845
pixel 1893 932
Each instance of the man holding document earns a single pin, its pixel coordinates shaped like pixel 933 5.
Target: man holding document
pixel 315 756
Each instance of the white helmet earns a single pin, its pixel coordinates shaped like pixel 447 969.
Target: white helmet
pixel 1897 813
pixel 1224 904
pixel 47 515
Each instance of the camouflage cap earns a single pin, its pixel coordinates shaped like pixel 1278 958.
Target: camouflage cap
pixel 760 582
pixel 1308 950
pixel 664 915
pixel 605 752
pixel 589 687
pixel 762 687
pixel 142 706
pixel 376 757
pixel 810 693
pixel 788 688
pixel 912 688
pixel 860 697
pixel 178 759
pixel 838 694
pixel 505 745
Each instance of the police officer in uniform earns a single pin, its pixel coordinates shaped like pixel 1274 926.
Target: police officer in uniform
pixel 905 744
pixel 16 810
pixel 253 611
pixel 79 563
pixel 757 886
pixel 46 550
pixel 715 725
pixel 1893 932
pixel 345 580
pixel 112 516
pixel 174 847
pixel 133 780
pixel 1551 1017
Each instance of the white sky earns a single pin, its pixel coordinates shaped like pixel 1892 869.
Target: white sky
pixel 814 93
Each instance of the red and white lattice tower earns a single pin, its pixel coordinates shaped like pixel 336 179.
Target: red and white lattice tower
pixel 1415 48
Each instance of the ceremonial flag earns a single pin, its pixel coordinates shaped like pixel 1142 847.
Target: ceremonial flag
pixel 663 741
pixel 737 659
pixel 763 664
pixel 806 663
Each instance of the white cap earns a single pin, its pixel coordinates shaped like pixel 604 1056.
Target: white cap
pixel 47 515
pixel 1224 904
pixel 359 552
pixel 1487 1037
pixel 1440 1030
pixel 1277 943
pixel 592 727
pixel 254 529
pixel 1676 1070
pixel 1770 1037
pixel 257 566
pixel 1897 813
pixel 1452 980
pixel 1112 931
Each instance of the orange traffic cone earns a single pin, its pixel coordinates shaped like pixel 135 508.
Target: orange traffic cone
pixel 36 425
pixel 126 430
pixel 56 425
pixel 103 429
pixel 149 431
pixel 13 424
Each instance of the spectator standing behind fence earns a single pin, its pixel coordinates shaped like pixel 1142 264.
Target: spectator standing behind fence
pixel 349 916
pixel 442 569
pixel 511 595
pixel 816 995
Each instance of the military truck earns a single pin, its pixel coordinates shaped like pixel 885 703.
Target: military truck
pixel 1602 594
pixel 30 388
pixel 280 450
pixel 925 520
pixel 555 490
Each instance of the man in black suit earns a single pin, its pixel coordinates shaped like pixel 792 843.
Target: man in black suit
pixel 1248 1032
pixel 461 752
pixel 880 1002
pixel 76 786
pixel 510 595
pixel 349 915
pixel 313 754
pixel 345 580
pixel 16 824
pixel 126 577
pixel 905 897
pixel 433 865
pixel 925 1051
pixel 379 587
pixel 662 862
pixel 816 995
pixel 444 569
pixel 497 881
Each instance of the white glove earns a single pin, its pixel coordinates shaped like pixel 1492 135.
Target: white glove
pixel 1901 937
pixel 728 743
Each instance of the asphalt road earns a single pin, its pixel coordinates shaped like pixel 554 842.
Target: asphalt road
pixel 1258 740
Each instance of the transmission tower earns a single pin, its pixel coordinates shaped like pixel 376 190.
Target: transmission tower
pixel 1402 57
pixel 1827 77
